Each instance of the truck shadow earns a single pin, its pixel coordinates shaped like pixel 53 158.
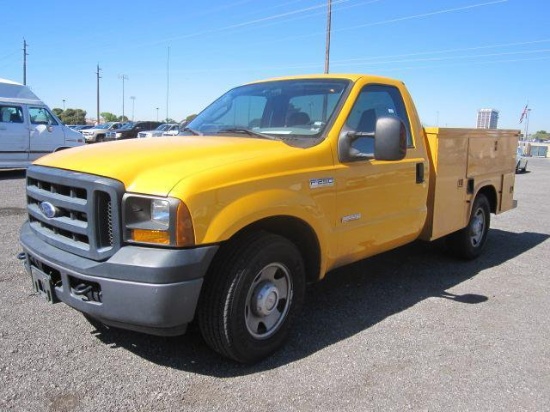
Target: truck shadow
pixel 350 300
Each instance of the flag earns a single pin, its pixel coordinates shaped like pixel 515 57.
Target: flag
pixel 523 114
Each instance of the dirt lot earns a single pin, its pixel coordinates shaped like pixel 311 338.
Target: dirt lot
pixel 412 329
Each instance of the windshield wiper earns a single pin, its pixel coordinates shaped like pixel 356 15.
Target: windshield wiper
pixel 242 130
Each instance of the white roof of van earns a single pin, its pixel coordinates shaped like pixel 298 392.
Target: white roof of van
pixel 17 93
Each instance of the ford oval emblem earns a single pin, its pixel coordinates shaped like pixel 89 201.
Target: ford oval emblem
pixel 49 210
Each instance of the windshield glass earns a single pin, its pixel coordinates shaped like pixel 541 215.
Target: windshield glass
pixel 283 108
pixel 127 126
pixel 103 126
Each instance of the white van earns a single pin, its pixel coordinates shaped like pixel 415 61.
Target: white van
pixel 28 128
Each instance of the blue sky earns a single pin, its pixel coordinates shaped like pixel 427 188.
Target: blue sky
pixel 456 56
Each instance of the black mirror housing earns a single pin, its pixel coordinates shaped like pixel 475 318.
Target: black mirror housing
pixel 390 142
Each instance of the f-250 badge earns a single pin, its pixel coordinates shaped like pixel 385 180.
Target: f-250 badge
pixel 323 182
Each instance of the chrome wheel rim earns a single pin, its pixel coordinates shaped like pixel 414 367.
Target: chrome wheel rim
pixel 478 227
pixel 268 301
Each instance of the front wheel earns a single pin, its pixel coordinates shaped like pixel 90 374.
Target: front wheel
pixel 468 243
pixel 252 293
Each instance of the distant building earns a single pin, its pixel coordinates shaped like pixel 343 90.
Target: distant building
pixel 487 119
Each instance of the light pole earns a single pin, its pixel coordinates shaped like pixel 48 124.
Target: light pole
pixel 527 124
pixel 97 92
pixel 63 104
pixel 133 103
pixel 157 114
pixel 123 77
pixel 327 42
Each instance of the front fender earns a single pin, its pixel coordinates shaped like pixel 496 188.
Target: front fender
pixel 247 210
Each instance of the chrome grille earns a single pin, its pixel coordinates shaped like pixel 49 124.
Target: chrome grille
pixel 84 210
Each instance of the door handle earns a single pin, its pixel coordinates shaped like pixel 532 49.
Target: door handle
pixel 420 173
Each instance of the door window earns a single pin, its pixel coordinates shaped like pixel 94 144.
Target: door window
pixel 40 115
pixel 376 101
pixel 11 114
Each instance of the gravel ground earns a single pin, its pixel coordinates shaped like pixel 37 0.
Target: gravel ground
pixel 412 329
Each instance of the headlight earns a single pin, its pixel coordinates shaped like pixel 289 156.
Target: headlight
pixel 160 212
pixel 157 221
pixel 118 135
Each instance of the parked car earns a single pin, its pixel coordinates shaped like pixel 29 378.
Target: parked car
pixel 172 131
pixel 28 128
pixel 521 161
pixel 130 130
pixel 82 127
pixel 97 133
pixel 165 129
pixel 79 127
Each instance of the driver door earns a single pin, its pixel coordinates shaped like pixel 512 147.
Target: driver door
pixel 380 204
pixel 46 133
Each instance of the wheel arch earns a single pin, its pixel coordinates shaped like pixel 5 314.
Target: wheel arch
pixel 298 232
pixel 490 193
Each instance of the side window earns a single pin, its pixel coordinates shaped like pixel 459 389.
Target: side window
pixel 40 115
pixel 11 114
pixel 373 102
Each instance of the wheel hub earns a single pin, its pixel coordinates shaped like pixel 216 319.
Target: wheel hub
pixel 478 226
pixel 265 299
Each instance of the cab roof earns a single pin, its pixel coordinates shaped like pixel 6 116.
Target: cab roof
pixel 14 92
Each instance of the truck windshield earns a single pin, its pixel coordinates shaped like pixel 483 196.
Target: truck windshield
pixel 282 109
pixel 103 126
pixel 127 126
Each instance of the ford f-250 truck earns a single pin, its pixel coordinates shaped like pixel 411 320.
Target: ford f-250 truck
pixel 272 186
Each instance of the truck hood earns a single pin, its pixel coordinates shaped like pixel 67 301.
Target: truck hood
pixel 155 166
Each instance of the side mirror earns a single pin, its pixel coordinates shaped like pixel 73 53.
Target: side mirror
pixel 390 142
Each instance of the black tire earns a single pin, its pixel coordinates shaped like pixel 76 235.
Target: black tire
pixel 254 289
pixel 469 242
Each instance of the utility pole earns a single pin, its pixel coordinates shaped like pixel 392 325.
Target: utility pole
pixel 25 54
pixel 167 81
pixel 327 47
pixel 133 103
pixel 123 77
pixel 97 98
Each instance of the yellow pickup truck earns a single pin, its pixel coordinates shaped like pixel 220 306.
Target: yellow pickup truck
pixel 270 187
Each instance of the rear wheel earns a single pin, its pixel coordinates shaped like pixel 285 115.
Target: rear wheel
pixel 253 291
pixel 468 243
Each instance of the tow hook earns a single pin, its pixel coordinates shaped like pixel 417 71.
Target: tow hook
pixel 21 256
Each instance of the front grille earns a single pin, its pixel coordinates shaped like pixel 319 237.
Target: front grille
pixel 76 212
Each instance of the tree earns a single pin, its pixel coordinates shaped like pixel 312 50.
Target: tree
pixel 190 117
pixel 71 116
pixel 109 117
pixel 541 135
pixel 122 119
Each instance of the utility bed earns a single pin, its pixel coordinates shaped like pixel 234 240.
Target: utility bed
pixel 461 161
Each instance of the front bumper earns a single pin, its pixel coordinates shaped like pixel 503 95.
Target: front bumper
pixel 149 290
